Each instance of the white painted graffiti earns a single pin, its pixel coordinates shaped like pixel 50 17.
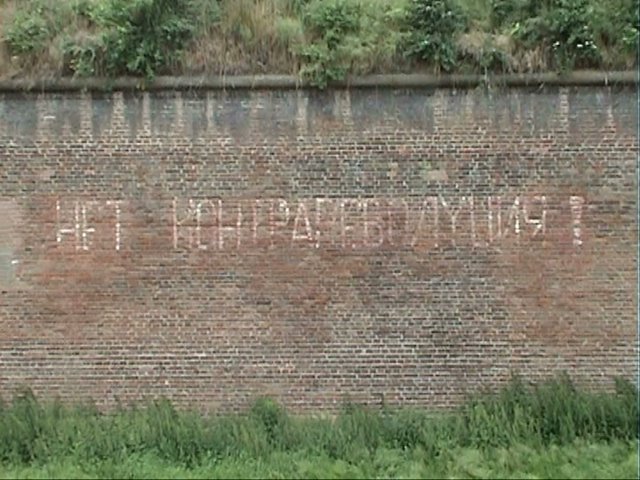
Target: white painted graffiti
pixel 208 224
pixel 78 227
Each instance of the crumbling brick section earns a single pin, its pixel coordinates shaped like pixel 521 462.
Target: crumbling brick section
pixel 405 246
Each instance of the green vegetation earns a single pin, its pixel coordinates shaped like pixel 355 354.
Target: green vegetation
pixel 320 40
pixel 549 430
pixel 617 460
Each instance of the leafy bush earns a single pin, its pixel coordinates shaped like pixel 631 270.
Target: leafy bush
pixel 347 36
pixel 506 13
pixel 563 29
pixel 616 29
pixel 502 12
pixel 29 32
pixel 137 37
pixel 572 34
pixel 433 29
pixel 144 36
pixel 83 56
pixel 328 24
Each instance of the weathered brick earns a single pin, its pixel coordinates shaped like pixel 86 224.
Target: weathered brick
pixel 405 246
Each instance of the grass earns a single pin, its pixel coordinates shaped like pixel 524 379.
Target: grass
pixel 553 429
pixel 49 38
pixel 578 460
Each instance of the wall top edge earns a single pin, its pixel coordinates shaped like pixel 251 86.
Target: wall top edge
pixel 577 78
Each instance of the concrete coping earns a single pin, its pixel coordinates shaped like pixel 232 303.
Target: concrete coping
pixel 282 82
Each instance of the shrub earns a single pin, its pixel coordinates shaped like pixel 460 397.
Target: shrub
pixel 328 24
pixel 34 26
pixel 83 55
pixel 433 29
pixel 144 36
pixel 506 13
pixel 572 34
pixel 137 37
pixel 615 27
pixel 502 12
pixel 561 28
pixel 29 32
pixel 348 36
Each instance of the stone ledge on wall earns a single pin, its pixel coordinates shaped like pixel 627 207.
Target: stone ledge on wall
pixel 576 78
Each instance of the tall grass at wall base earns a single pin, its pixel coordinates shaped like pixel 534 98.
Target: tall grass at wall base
pixel 615 460
pixel 552 413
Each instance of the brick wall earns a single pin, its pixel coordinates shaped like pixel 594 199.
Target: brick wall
pixel 359 245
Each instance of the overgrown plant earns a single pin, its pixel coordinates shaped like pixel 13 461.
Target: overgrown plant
pixel 144 36
pixel 562 29
pixel 328 24
pixel 29 31
pixel 136 37
pixel 433 28
pixel 348 37
pixel 616 27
